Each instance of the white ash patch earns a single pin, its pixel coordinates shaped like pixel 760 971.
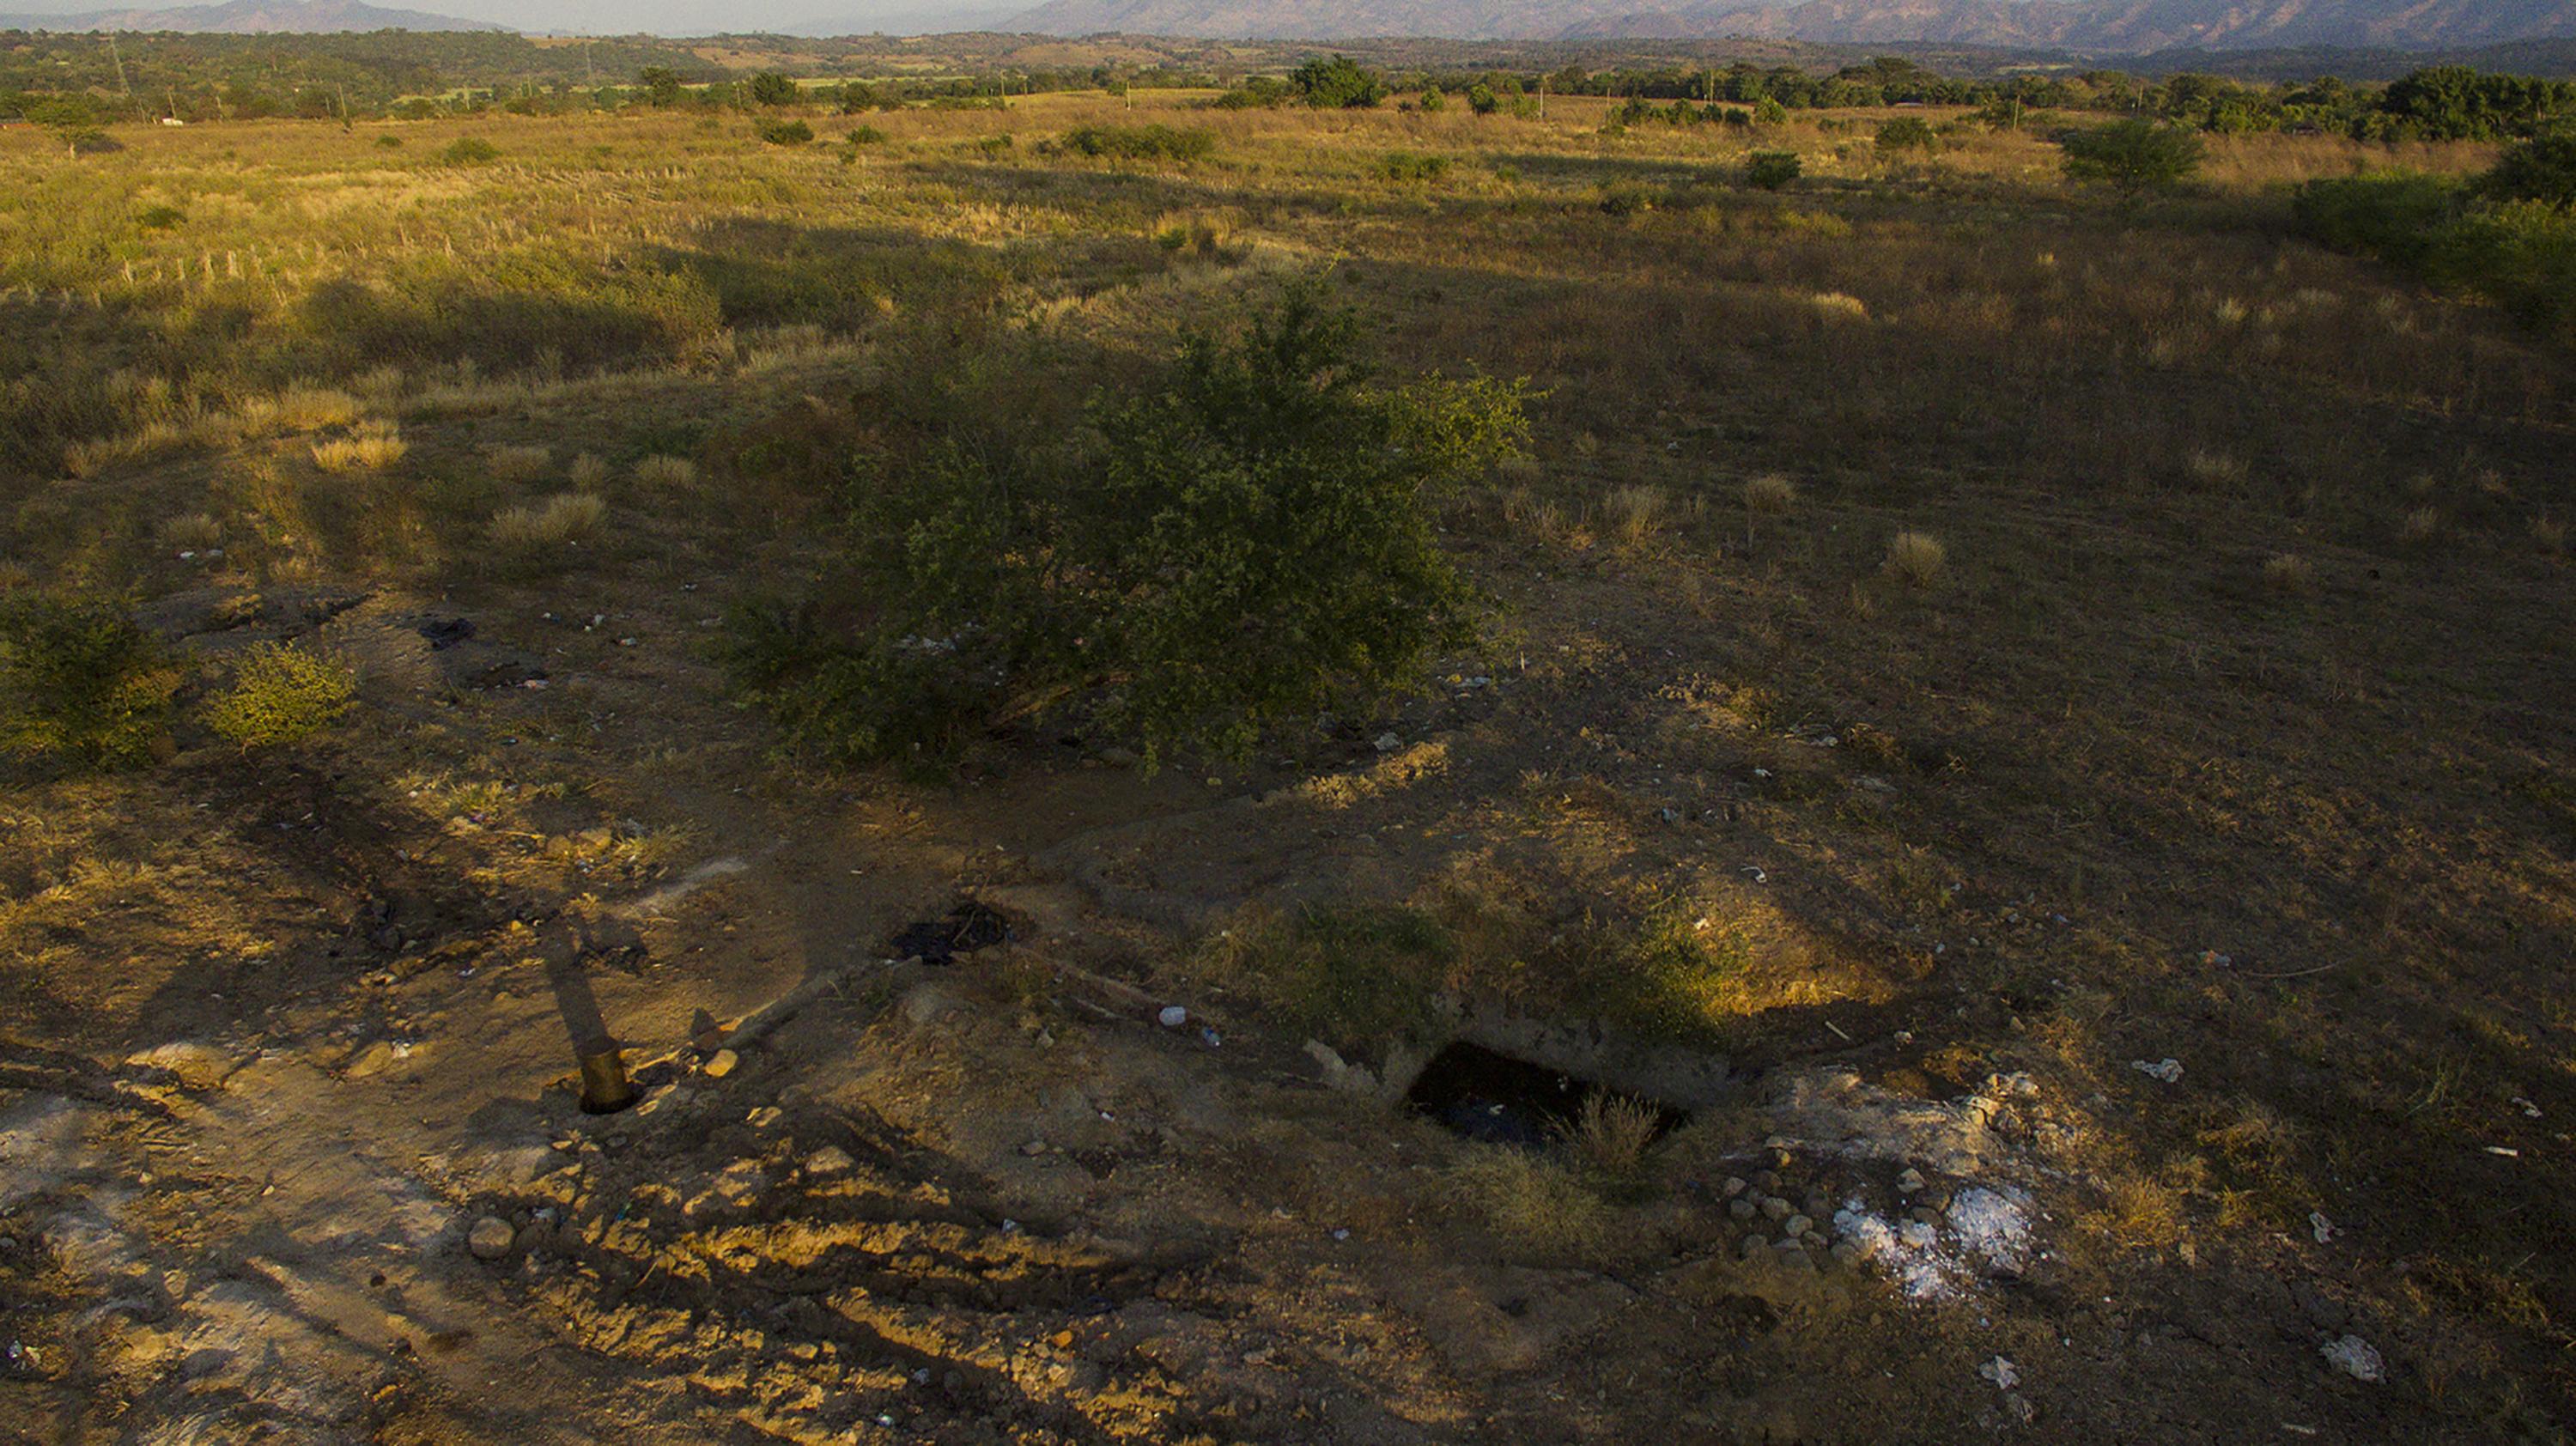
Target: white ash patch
pixel 1987 1229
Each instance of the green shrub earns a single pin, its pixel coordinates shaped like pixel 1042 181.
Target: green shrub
pixel 80 684
pixel 1353 975
pixel 2133 155
pixel 1625 198
pixel 1406 166
pixel 1906 134
pixel 1771 170
pixel 389 143
pixel 866 136
pixel 2542 169
pixel 1139 143
pixel 1434 101
pixel 1481 99
pixel 160 218
pixel 771 88
pixel 786 132
pixel 1250 540
pixel 281 694
pixel 2520 254
pixel 1337 83
pixel 469 151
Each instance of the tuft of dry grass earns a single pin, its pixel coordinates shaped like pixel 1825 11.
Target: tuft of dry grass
pixel 2549 534
pixel 2287 572
pixel 1769 492
pixel 542 527
pixel 1537 1206
pixel 666 471
pixel 1636 513
pixel 2214 469
pixel 373 447
pixel 193 532
pixel 1610 1133
pixel 2421 525
pixel 1916 559
pixel 1839 306
pixel 518 463
pixel 588 472
pixel 303 409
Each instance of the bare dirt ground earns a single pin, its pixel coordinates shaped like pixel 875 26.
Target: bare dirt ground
pixel 2151 1019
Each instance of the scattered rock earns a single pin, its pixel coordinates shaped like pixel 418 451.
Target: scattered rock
pixel 1034 1148
pixel 829 1160
pixel 1173 1016
pixel 1909 1182
pixel 2167 1070
pixel 1773 1207
pixel 490 1238
pixel 2002 1372
pixel 197 1066
pixel 374 1060
pixel 723 1062
pixel 2354 1357
pixel 1388 742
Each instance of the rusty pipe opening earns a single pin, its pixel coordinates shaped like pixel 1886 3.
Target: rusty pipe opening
pixel 604 1090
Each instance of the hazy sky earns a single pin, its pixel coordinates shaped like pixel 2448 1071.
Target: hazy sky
pixel 665 17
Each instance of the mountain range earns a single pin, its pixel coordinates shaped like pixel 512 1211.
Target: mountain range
pixel 250 17
pixel 2110 26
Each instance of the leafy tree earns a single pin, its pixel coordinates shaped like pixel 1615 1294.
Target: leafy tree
pixel 2133 155
pixel 2541 169
pixel 1337 82
pixel 2454 102
pixel 1481 99
pixel 662 85
pixel 1433 101
pixel 1771 170
pixel 771 88
pixel 1251 541
pixel 786 132
pixel 1906 134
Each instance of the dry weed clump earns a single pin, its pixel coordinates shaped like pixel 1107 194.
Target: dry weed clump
pixel 666 471
pixel 2288 572
pixel 1610 1133
pixel 373 447
pixel 2420 526
pixel 192 532
pixel 520 463
pixel 304 409
pixel 1769 493
pixel 588 472
pixel 1916 559
pixel 1839 306
pixel 541 527
pixel 1537 1206
pixel 2549 534
pixel 2214 469
pixel 1636 512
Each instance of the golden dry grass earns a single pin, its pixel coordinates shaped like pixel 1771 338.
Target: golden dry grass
pixel 545 527
pixel 1916 559
pixel 373 447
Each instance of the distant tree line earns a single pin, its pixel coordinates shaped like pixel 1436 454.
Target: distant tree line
pixel 405 74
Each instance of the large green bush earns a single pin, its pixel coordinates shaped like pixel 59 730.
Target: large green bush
pixel 2133 155
pixel 80 684
pixel 1137 143
pixel 1249 540
pixel 2518 253
pixel 1337 82
pixel 2541 169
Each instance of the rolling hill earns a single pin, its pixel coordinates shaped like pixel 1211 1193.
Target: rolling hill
pixel 251 17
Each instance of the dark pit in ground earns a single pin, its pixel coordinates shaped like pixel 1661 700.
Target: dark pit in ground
pixel 1499 1100
pixel 969 927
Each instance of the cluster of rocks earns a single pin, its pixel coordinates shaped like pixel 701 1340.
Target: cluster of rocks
pixel 1800 1227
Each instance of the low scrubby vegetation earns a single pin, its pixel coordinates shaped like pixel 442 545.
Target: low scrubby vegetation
pixel 2509 236
pixel 1253 541
pixel 81 686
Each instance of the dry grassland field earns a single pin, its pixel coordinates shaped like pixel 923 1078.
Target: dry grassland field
pixel 1986 849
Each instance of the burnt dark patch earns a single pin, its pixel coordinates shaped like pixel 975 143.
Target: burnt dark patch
pixel 968 927
pixel 1495 1099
